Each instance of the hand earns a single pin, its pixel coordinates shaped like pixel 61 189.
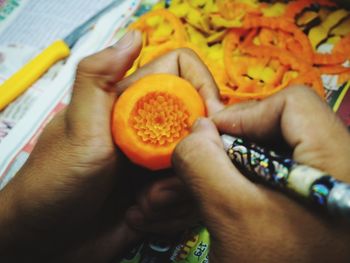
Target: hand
pixel 253 223
pixel 186 64
pixel 72 192
pixel 77 196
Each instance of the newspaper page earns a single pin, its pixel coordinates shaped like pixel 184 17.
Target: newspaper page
pixel 25 29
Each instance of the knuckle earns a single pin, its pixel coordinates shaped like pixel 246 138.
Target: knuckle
pixel 84 63
pixel 296 97
pixel 90 65
pixel 304 97
pixel 300 92
pixel 186 50
pixel 182 51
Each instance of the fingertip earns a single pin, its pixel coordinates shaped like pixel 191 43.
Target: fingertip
pixel 130 39
pixel 112 62
pixel 128 48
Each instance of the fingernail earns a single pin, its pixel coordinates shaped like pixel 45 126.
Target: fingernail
pixel 126 41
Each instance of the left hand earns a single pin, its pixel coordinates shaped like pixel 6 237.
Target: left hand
pixel 77 196
pixel 72 193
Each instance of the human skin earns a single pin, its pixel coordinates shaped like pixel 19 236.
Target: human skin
pixel 78 199
pixel 253 223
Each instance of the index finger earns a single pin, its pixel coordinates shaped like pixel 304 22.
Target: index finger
pixel 184 63
pixel 301 119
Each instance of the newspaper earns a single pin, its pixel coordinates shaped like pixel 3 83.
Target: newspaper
pixel 26 27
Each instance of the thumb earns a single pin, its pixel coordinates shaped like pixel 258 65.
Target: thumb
pixel 96 78
pixel 211 177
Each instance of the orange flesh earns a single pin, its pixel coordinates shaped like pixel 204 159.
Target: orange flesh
pixel 152 116
pixel 159 118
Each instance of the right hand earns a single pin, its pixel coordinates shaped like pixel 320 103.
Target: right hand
pixel 253 223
